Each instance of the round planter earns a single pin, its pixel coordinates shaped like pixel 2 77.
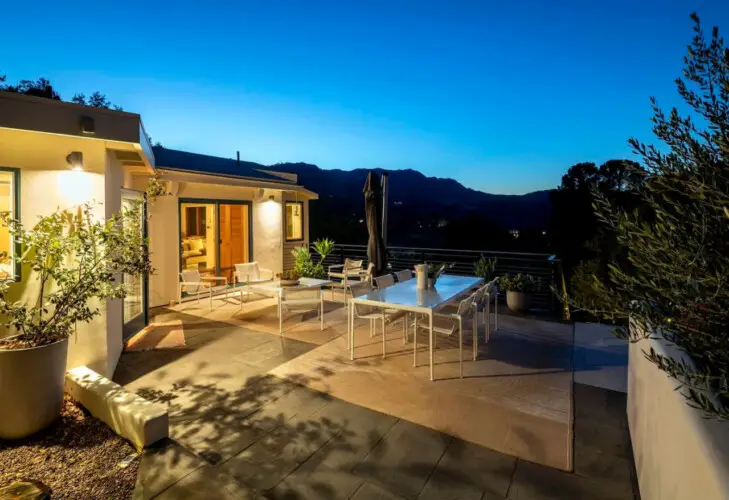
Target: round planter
pixel 288 282
pixel 518 301
pixel 31 388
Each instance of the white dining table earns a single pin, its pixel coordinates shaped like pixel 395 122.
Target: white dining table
pixel 406 296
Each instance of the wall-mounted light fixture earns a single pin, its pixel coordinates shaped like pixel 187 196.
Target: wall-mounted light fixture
pixel 76 160
pixel 270 198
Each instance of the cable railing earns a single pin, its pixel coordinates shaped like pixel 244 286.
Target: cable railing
pixel 545 267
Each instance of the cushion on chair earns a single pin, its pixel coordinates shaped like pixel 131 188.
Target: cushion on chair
pixel 197 245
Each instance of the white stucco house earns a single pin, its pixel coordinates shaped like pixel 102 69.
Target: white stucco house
pixel 217 212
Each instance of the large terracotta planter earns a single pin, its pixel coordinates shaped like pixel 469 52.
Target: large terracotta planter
pixel 518 301
pixel 31 388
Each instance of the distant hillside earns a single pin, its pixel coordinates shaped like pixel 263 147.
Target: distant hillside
pixel 413 188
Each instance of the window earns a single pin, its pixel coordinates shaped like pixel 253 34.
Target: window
pixel 9 204
pixel 294 220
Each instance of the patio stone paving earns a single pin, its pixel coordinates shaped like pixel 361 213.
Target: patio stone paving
pixel 239 432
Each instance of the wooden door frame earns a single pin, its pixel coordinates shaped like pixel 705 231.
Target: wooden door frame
pixel 250 229
pixel 217 202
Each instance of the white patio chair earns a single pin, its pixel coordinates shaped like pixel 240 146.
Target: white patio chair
pixel 250 273
pixel 384 281
pixel 350 269
pixel 367 274
pixel 297 301
pixel 404 275
pixel 371 313
pixel 448 324
pixel 491 294
pixel 195 284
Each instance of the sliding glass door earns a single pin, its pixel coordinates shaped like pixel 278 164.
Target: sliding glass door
pixel 134 310
pixel 214 236
pixel 197 226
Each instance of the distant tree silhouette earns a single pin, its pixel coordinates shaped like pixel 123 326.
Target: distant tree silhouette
pixel 95 100
pixel 42 88
pixel 585 246
pixel 39 88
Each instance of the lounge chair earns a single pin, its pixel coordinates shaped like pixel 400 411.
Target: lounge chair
pixel 195 284
pixel 251 273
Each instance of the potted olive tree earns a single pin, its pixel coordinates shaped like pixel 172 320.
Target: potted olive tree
pixel 519 289
pixel 72 263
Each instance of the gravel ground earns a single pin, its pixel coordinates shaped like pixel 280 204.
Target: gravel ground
pixel 77 457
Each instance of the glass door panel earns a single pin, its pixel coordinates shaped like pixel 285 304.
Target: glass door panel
pixel 197 236
pixel 134 313
pixel 234 237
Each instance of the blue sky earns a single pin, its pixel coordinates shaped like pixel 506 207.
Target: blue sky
pixel 502 96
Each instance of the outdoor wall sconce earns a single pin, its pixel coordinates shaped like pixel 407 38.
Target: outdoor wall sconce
pixel 76 160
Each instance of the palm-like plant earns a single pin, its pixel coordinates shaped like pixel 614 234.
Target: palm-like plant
pixel 324 247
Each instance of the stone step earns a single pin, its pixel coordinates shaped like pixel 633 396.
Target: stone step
pixel 132 417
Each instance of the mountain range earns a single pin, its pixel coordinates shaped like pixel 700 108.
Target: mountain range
pixel 420 207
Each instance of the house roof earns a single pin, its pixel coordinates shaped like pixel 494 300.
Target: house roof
pixel 173 159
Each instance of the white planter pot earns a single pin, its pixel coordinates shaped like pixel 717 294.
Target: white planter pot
pixel 31 388
pixel 518 301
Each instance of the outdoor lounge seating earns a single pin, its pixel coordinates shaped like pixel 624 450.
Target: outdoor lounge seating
pixel 192 283
pixel 251 273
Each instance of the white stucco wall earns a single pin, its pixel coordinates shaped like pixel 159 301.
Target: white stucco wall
pixel 114 182
pixel 164 237
pixel 48 184
pixel 678 454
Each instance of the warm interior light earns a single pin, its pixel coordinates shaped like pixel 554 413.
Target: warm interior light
pixel 76 160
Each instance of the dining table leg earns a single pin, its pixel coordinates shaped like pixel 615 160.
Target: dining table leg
pixel 351 338
pixel 415 342
pixel 430 331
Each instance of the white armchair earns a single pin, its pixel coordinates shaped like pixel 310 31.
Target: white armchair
pixel 195 284
pixel 250 273
pixel 350 270
pixel 298 300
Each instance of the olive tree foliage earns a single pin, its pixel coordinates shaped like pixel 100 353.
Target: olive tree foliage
pixel 674 282
pixel 73 262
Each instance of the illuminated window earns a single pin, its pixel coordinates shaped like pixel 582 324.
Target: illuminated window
pixel 294 221
pixel 8 205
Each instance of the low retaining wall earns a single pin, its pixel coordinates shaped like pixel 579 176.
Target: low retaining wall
pixel 678 454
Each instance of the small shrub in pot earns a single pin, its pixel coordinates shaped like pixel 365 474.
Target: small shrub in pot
pixel 71 263
pixel 519 289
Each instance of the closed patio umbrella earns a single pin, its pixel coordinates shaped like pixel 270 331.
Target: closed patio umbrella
pixel 376 252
